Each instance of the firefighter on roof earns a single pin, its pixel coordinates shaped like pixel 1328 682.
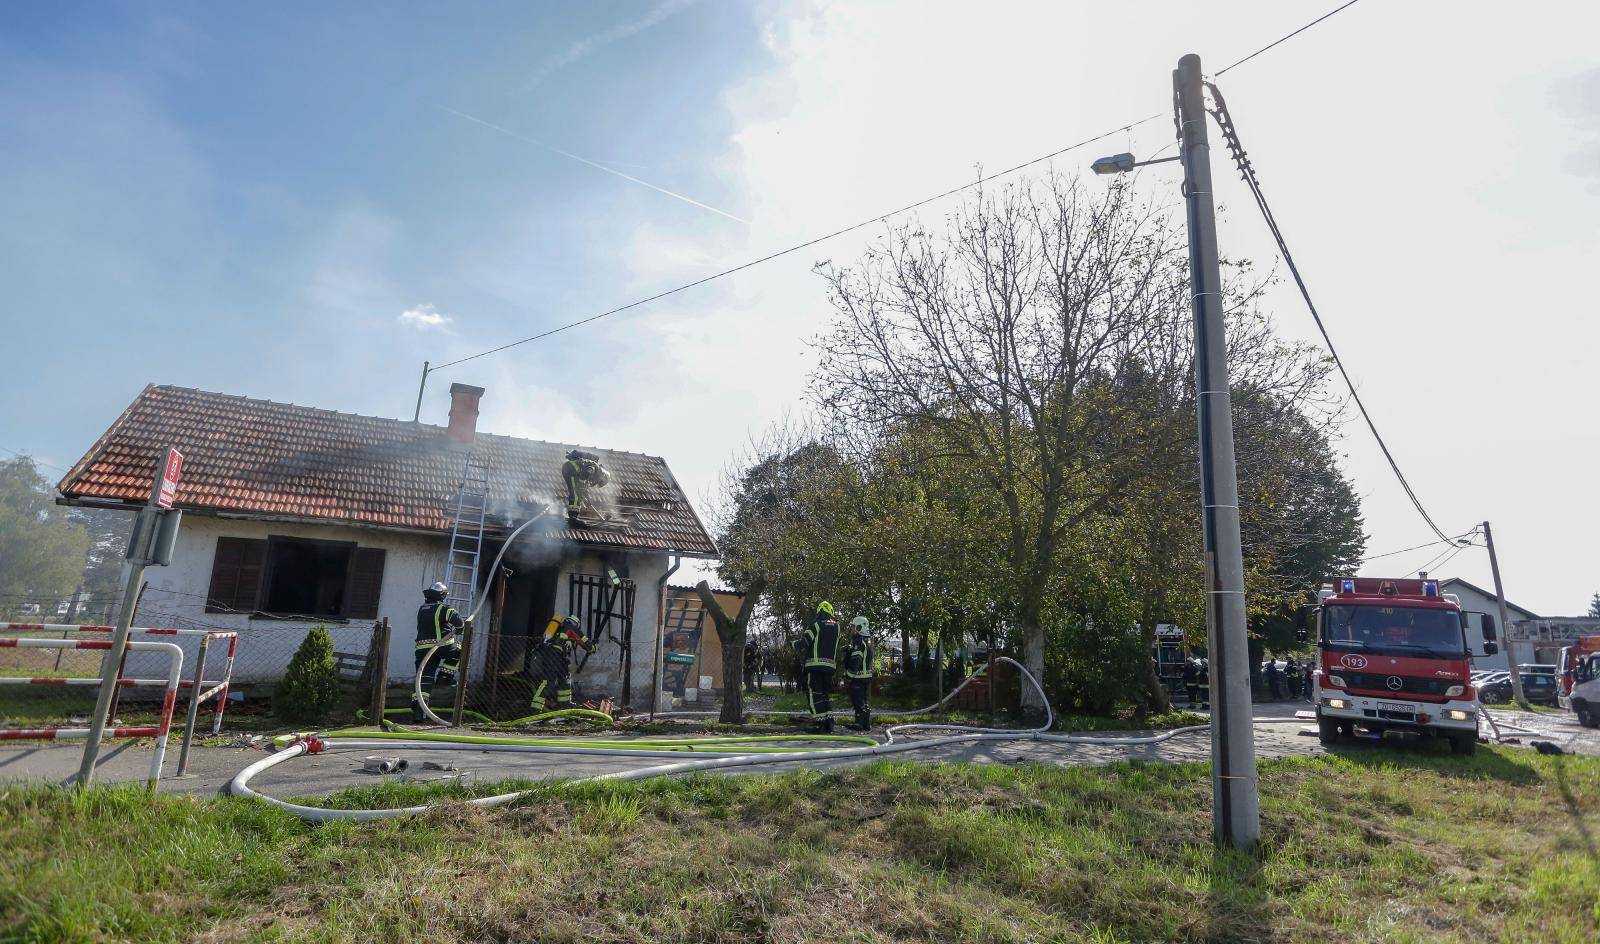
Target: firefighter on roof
pixel 859 653
pixel 436 620
pixel 551 664
pixel 817 647
pixel 581 472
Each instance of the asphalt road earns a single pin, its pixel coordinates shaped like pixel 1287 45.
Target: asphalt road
pixel 212 767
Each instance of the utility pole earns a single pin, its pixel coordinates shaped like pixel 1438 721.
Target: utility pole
pixel 1236 814
pixel 1505 624
pixel 423 385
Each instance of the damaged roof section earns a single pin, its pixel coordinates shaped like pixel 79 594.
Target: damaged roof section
pixel 259 458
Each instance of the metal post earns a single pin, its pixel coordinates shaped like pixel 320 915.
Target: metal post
pixel 122 669
pixel 1236 816
pixel 378 661
pixel 491 656
pixel 1505 625
pixel 417 416
pixel 196 687
pixel 463 667
pixel 110 668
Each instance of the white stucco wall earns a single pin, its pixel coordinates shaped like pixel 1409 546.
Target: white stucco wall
pixel 411 563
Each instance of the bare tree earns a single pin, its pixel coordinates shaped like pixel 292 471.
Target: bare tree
pixel 1045 339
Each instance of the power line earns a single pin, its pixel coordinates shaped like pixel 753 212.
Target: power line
pixel 982 179
pixel 1225 121
pixel 808 243
pixel 1447 558
pixel 1407 550
pixel 19 453
pixel 1285 38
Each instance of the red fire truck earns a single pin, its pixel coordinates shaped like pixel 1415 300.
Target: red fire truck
pixel 1392 656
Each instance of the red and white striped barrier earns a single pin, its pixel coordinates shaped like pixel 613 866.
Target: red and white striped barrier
pixel 220 692
pixel 169 698
pixel 88 628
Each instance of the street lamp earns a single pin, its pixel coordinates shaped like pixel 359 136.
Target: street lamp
pixel 1122 163
pixel 1236 815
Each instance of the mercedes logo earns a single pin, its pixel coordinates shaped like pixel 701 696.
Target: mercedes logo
pixel 1395 683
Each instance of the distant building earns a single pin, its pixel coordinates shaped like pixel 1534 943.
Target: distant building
pixel 1476 599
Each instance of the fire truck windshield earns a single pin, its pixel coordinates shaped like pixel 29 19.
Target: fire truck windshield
pixel 1402 630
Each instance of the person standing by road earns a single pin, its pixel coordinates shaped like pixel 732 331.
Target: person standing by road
pixel 858 658
pixel 817 648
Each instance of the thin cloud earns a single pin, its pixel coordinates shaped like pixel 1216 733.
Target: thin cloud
pixel 587 46
pixel 595 165
pixel 424 318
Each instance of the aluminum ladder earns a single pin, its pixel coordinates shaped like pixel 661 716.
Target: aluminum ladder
pixel 466 535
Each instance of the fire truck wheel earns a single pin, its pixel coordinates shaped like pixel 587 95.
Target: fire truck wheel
pixel 1328 732
pixel 1464 744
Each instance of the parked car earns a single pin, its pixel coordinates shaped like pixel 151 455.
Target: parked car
pixel 1538 687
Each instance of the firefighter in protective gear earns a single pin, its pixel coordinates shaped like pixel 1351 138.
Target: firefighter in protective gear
pixel 436 620
pixel 817 648
pixel 550 663
pixel 581 472
pixel 858 663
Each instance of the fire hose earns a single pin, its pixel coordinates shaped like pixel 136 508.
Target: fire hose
pixel 752 753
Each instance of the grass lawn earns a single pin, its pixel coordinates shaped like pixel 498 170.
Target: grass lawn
pixel 1368 845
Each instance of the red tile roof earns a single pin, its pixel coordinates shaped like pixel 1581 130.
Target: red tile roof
pixel 257 457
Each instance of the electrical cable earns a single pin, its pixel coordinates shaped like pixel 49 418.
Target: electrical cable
pixel 1285 38
pixel 1448 557
pixel 1407 550
pixel 1247 172
pixel 982 179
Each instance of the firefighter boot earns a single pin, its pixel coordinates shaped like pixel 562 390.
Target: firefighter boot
pixel 864 719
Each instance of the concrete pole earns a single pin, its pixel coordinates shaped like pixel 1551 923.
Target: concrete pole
pixel 1505 625
pixel 422 385
pixel 1236 815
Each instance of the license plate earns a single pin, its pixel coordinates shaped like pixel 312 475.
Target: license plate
pixel 1397 707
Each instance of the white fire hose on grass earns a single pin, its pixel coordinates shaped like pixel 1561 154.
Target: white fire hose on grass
pixel 240 785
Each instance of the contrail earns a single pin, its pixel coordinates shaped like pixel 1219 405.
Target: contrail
pixel 586 46
pixel 585 160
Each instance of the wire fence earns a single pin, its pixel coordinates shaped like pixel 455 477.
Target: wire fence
pixel 264 649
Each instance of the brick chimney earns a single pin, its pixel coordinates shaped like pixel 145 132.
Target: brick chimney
pixel 464 412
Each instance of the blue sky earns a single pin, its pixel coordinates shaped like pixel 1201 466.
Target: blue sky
pixel 252 198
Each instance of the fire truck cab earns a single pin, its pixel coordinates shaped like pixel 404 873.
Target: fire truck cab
pixel 1392 656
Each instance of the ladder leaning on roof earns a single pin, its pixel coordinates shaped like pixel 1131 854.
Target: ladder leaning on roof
pixel 466 535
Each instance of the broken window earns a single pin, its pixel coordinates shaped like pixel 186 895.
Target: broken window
pixel 284 576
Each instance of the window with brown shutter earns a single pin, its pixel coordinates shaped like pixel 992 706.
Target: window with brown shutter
pixel 366 582
pixel 296 577
pixel 236 575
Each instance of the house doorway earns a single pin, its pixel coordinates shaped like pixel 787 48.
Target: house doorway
pixel 505 692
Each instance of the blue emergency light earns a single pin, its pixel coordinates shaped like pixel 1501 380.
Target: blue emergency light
pixel 1430 588
pixel 1347 586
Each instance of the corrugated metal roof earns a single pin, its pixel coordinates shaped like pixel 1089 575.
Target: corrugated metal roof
pixel 257 457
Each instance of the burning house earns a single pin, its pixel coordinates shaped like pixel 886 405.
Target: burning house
pixel 296 516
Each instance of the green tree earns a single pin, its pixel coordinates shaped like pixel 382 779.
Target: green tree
pixel 1594 605
pixel 42 553
pixel 309 689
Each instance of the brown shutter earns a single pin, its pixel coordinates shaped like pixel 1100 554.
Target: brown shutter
pixel 366 582
pixel 236 575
